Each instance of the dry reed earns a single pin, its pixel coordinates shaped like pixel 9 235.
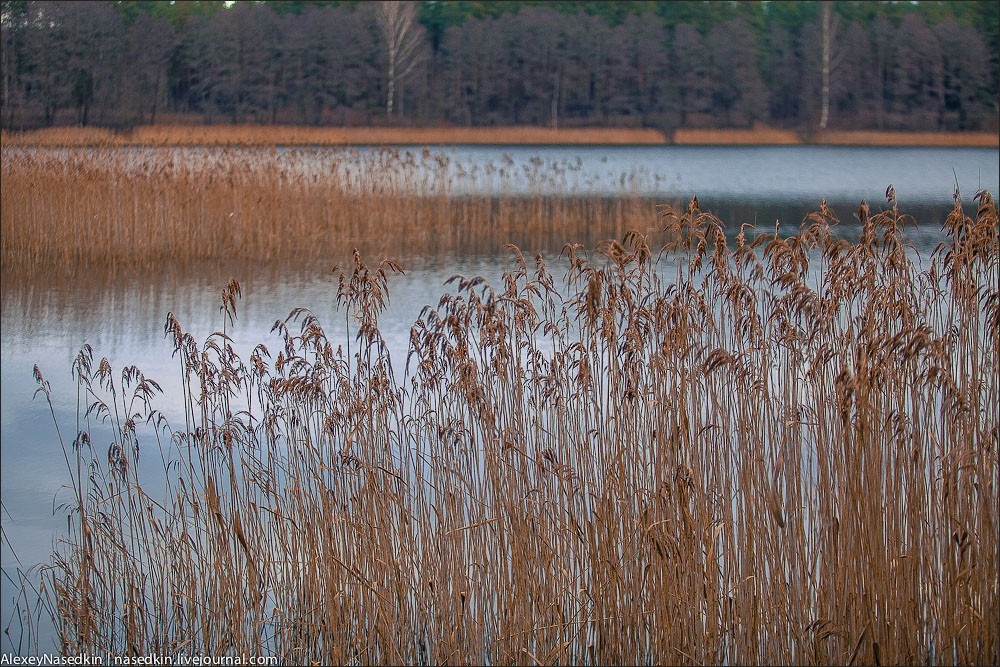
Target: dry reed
pixel 291 135
pixel 873 138
pixel 778 450
pixel 74 209
pixel 278 135
pixel 758 135
pixel 770 136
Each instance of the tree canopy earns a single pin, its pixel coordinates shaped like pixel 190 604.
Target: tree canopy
pixel 889 65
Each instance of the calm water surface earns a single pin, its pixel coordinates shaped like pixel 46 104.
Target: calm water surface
pixel 760 174
pixel 123 317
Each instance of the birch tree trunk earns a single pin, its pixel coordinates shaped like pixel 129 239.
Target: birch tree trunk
pixel 401 32
pixel 554 105
pixel 829 28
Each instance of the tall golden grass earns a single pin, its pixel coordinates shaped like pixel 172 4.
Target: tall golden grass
pixel 870 138
pixel 115 206
pixel 770 136
pixel 757 135
pixel 718 451
pixel 291 135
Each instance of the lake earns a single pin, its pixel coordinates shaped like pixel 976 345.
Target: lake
pixel 122 316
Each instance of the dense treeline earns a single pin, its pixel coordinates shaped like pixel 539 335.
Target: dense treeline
pixel 916 66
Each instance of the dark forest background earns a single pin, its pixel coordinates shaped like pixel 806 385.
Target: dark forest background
pixel 890 65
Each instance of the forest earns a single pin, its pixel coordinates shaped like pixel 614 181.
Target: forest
pixel 926 66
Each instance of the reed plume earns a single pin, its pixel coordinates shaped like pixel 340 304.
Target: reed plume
pixel 683 448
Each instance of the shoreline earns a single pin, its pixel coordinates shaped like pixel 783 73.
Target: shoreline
pixel 290 135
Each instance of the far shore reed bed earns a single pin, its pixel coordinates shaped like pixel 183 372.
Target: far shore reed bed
pixel 677 449
pixel 180 134
pixel 293 135
pixel 113 206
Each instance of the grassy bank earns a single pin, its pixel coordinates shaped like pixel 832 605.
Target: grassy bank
pixel 255 135
pixel 778 452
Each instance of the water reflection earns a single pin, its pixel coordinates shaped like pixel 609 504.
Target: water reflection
pixel 770 175
pixel 122 317
pixel 46 319
pixel 759 174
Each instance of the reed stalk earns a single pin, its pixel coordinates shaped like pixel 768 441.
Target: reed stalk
pixel 696 449
pixel 75 210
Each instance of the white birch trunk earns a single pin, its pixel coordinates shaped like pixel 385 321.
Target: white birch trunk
pixel 397 21
pixel 825 94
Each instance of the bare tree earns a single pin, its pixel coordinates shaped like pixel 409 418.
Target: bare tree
pixel 403 37
pixel 738 94
pixel 690 80
pixel 147 44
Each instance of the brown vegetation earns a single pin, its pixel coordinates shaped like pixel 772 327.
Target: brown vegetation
pixel 264 135
pixel 759 135
pixel 115 206
pixel 766 136
pixel 779 451
pixel 268 135
pixel 873 138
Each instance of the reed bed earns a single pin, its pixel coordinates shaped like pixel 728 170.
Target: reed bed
pixel 758 135
pixel 109 207
pixel 720 451
pixel 179 134
pixel 291 135
pixel 771 136
pixel 874 138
